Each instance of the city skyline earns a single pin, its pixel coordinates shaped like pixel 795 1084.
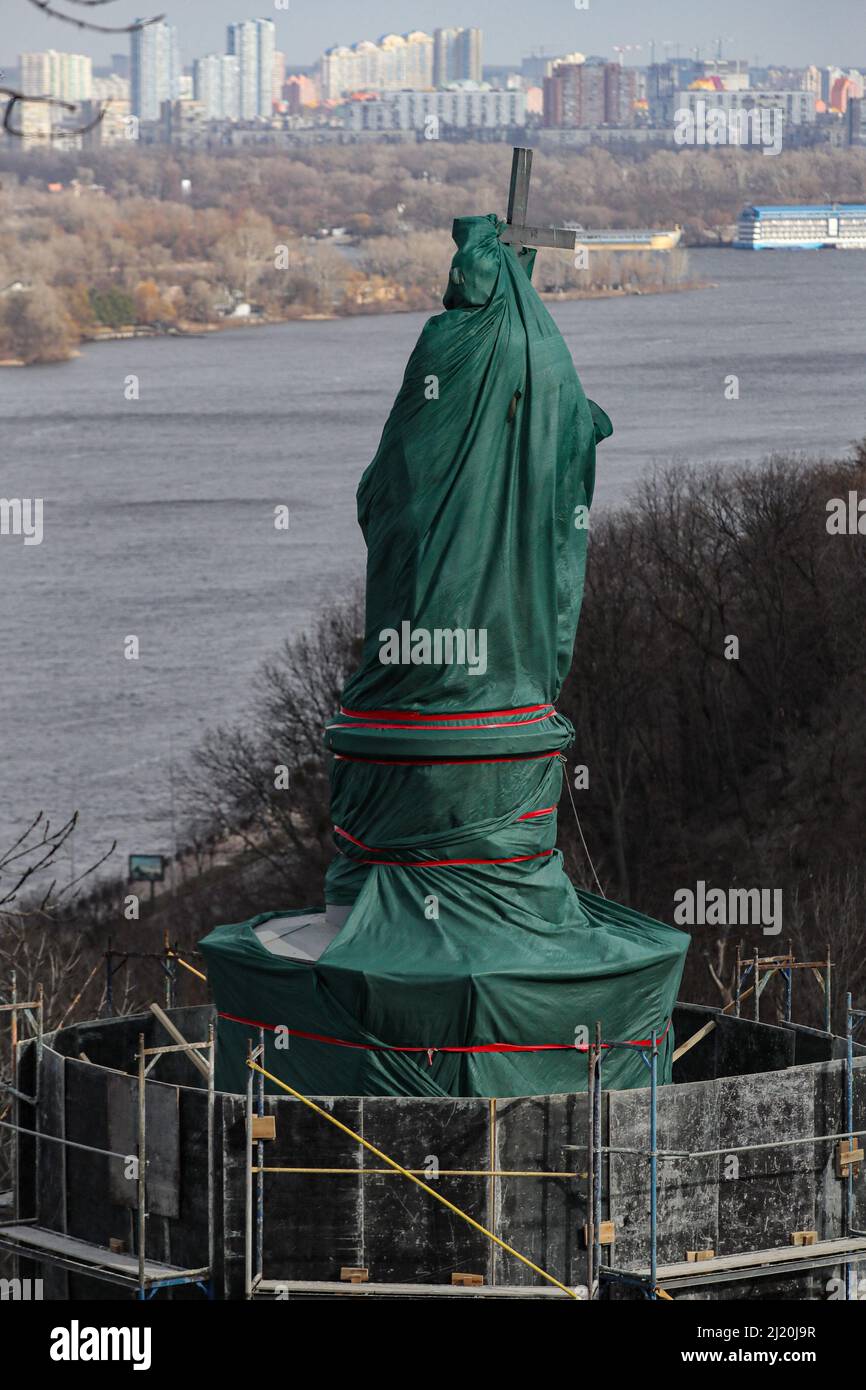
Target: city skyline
pixel 791 32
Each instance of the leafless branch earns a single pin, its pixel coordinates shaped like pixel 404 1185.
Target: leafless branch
pixel 15 96
pixel 29 856
pixel 36 849
pixel 53 13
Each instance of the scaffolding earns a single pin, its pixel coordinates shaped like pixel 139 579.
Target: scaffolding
pixel 169 959
pixel 762 969
pixel 258 1286
pixel 25 1238
pixel 655 1280
pixel 33 1011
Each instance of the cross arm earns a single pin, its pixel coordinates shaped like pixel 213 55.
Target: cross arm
pixel 517 231
pixel 561 238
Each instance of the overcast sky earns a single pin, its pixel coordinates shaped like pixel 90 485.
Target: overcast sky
pixel 784 31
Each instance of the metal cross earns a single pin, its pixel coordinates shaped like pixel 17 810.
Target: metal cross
pixel 517 231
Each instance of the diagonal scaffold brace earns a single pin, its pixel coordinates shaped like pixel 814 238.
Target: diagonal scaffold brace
pixel 398 1168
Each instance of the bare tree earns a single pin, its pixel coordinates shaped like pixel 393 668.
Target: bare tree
pixel 234 792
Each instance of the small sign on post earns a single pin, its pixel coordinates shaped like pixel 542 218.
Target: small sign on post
pixel 147 868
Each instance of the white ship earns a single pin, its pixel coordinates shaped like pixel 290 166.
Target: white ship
pixel 779 227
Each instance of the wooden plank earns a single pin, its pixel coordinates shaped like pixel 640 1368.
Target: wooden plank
pixel 178 1036
pixel 606 1234
pixel 784 1257
pixel 694 1040
pixel 264 1127
pixel 270 1288
pixel 848 1155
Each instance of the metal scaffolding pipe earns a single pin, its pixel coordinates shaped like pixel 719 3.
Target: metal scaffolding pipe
pixel 55 1139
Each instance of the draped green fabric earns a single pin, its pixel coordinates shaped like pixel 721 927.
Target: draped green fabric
pixel 468 964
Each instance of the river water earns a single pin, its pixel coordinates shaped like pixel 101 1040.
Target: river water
pixel 159 513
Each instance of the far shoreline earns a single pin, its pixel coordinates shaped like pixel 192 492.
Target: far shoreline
pixel 131 332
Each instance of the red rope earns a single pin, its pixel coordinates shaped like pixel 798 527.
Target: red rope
pixel 410 714
pixel 447 863
pixel 346 836
pixel 438 863
pixel 441 762
pixel 528 815
pixel 466 728
pixel 475 1047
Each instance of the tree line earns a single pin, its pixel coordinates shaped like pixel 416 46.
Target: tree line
pixel 160 240
pixel 742 765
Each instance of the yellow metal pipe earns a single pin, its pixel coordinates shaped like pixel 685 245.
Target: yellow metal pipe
pixel 443 1172
pixel 412 1178
pixel 191 968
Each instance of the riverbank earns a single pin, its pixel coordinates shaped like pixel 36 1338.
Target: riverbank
pixel 626 291
pixel 379 309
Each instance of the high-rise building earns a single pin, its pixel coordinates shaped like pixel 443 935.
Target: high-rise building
pixel 254 42
pixel 537 66
pixel 155 69
pixel 442 43
pixel 337 67
pixel 467 55
pixel 828 77
pixel 114 89
pixel 300 91
pixel 279 75
pixel 856 121
pixel 456 56
pixel 733 73
pixel 66 76
pixel 812 80
pixel 35 124
pixel 397 62
pixel 216 86
pixel 243 45
pixel 840 93
pixel 589 94
pixel 113 127
pixel 267 48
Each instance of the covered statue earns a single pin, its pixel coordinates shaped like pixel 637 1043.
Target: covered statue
pixel 453 956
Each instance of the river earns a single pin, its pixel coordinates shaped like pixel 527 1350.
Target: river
pixel 159 512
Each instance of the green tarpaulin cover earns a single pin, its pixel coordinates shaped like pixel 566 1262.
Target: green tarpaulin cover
pixel 468 964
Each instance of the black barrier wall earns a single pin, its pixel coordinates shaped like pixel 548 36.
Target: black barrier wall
pixel 315 1223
